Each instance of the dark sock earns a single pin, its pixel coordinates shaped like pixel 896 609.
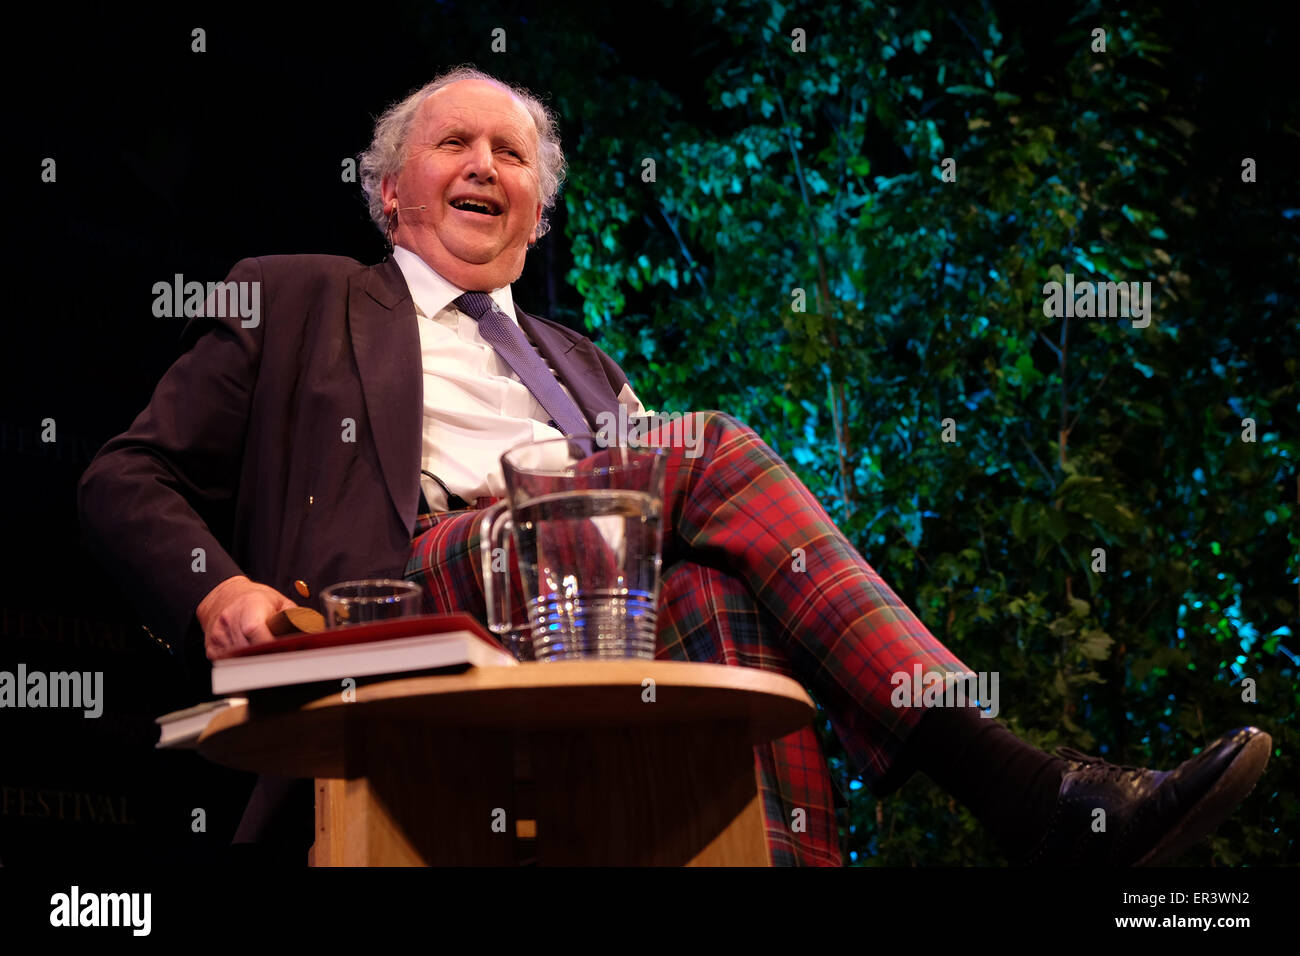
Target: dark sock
pixel 1009 785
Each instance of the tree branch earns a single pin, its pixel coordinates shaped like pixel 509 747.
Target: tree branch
pixel 1084 403
pixel 975 43
pixel 1051 345
pixel 690 260
pixel 1041 467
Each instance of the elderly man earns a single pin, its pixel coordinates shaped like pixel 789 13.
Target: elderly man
pixel 459 177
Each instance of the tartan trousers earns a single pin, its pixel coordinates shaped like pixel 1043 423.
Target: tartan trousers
pixel 755 575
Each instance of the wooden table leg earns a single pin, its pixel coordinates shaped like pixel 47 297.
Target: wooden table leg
pixel 660 796
pixel 326 851
pixel 420 796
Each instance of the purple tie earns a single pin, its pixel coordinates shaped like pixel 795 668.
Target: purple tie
pixel 510 343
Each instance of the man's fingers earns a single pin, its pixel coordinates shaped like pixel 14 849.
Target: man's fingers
pixel 221 641
pixel 254 625
pixel 243 619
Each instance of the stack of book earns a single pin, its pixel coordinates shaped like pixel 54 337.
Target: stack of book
pixel 429 642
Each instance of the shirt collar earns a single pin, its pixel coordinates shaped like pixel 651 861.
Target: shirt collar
pixel 432 293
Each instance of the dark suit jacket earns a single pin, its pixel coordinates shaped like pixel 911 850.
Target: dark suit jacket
pixel 256 417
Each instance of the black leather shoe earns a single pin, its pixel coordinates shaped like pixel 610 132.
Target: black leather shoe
pixel 1151 816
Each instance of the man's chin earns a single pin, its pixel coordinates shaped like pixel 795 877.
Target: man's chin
pixel 487 275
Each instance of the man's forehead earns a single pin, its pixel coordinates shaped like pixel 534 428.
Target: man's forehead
pixel 474 103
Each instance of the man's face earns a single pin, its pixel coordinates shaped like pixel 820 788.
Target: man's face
pixel 471 142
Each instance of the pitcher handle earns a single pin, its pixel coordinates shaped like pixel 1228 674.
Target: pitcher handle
pixel 494 552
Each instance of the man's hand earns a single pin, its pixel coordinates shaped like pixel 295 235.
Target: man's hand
pixel 234 613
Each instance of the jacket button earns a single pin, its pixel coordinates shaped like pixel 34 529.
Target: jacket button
pixel 311 500
pixel 301 587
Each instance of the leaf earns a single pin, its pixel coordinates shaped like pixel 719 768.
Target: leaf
pixel 1018 520
pixel 1095 645
pixel 1055 524
pixel 1063 627
pixel 1087 677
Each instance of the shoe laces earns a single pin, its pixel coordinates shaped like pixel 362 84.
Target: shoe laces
pixel 1097 763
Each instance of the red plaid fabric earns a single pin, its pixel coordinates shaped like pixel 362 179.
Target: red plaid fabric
pixel 756 575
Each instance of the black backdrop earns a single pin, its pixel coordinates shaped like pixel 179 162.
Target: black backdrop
pixel 171 161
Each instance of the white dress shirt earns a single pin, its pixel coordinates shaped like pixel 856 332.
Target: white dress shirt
pixel 475 407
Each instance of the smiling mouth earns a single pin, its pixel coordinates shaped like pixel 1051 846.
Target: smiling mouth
pixel 482 207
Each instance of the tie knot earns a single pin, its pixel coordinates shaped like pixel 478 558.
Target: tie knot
pixel 475 304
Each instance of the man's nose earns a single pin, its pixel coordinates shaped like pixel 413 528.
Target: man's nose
pixel 480 164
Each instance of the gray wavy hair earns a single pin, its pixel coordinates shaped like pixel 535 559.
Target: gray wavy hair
pixel 387 150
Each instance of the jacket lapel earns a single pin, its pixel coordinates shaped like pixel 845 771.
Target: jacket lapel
pixel 386 342
pixel 577 365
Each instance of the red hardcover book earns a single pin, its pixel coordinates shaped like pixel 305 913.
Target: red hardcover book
pixel 363 650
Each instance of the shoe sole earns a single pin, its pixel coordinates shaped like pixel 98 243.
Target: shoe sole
pixel 1236 781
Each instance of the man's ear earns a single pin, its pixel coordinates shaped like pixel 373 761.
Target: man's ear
pixel 388 190
pixel 537 221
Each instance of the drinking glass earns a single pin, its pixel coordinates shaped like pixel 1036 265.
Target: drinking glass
pixel 361 602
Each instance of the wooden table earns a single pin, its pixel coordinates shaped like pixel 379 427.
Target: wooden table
pixel 567 763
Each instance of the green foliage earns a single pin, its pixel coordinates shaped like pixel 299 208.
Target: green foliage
pixel 823 172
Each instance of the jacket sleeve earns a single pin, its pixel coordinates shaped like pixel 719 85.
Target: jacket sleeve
pixel 136 500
